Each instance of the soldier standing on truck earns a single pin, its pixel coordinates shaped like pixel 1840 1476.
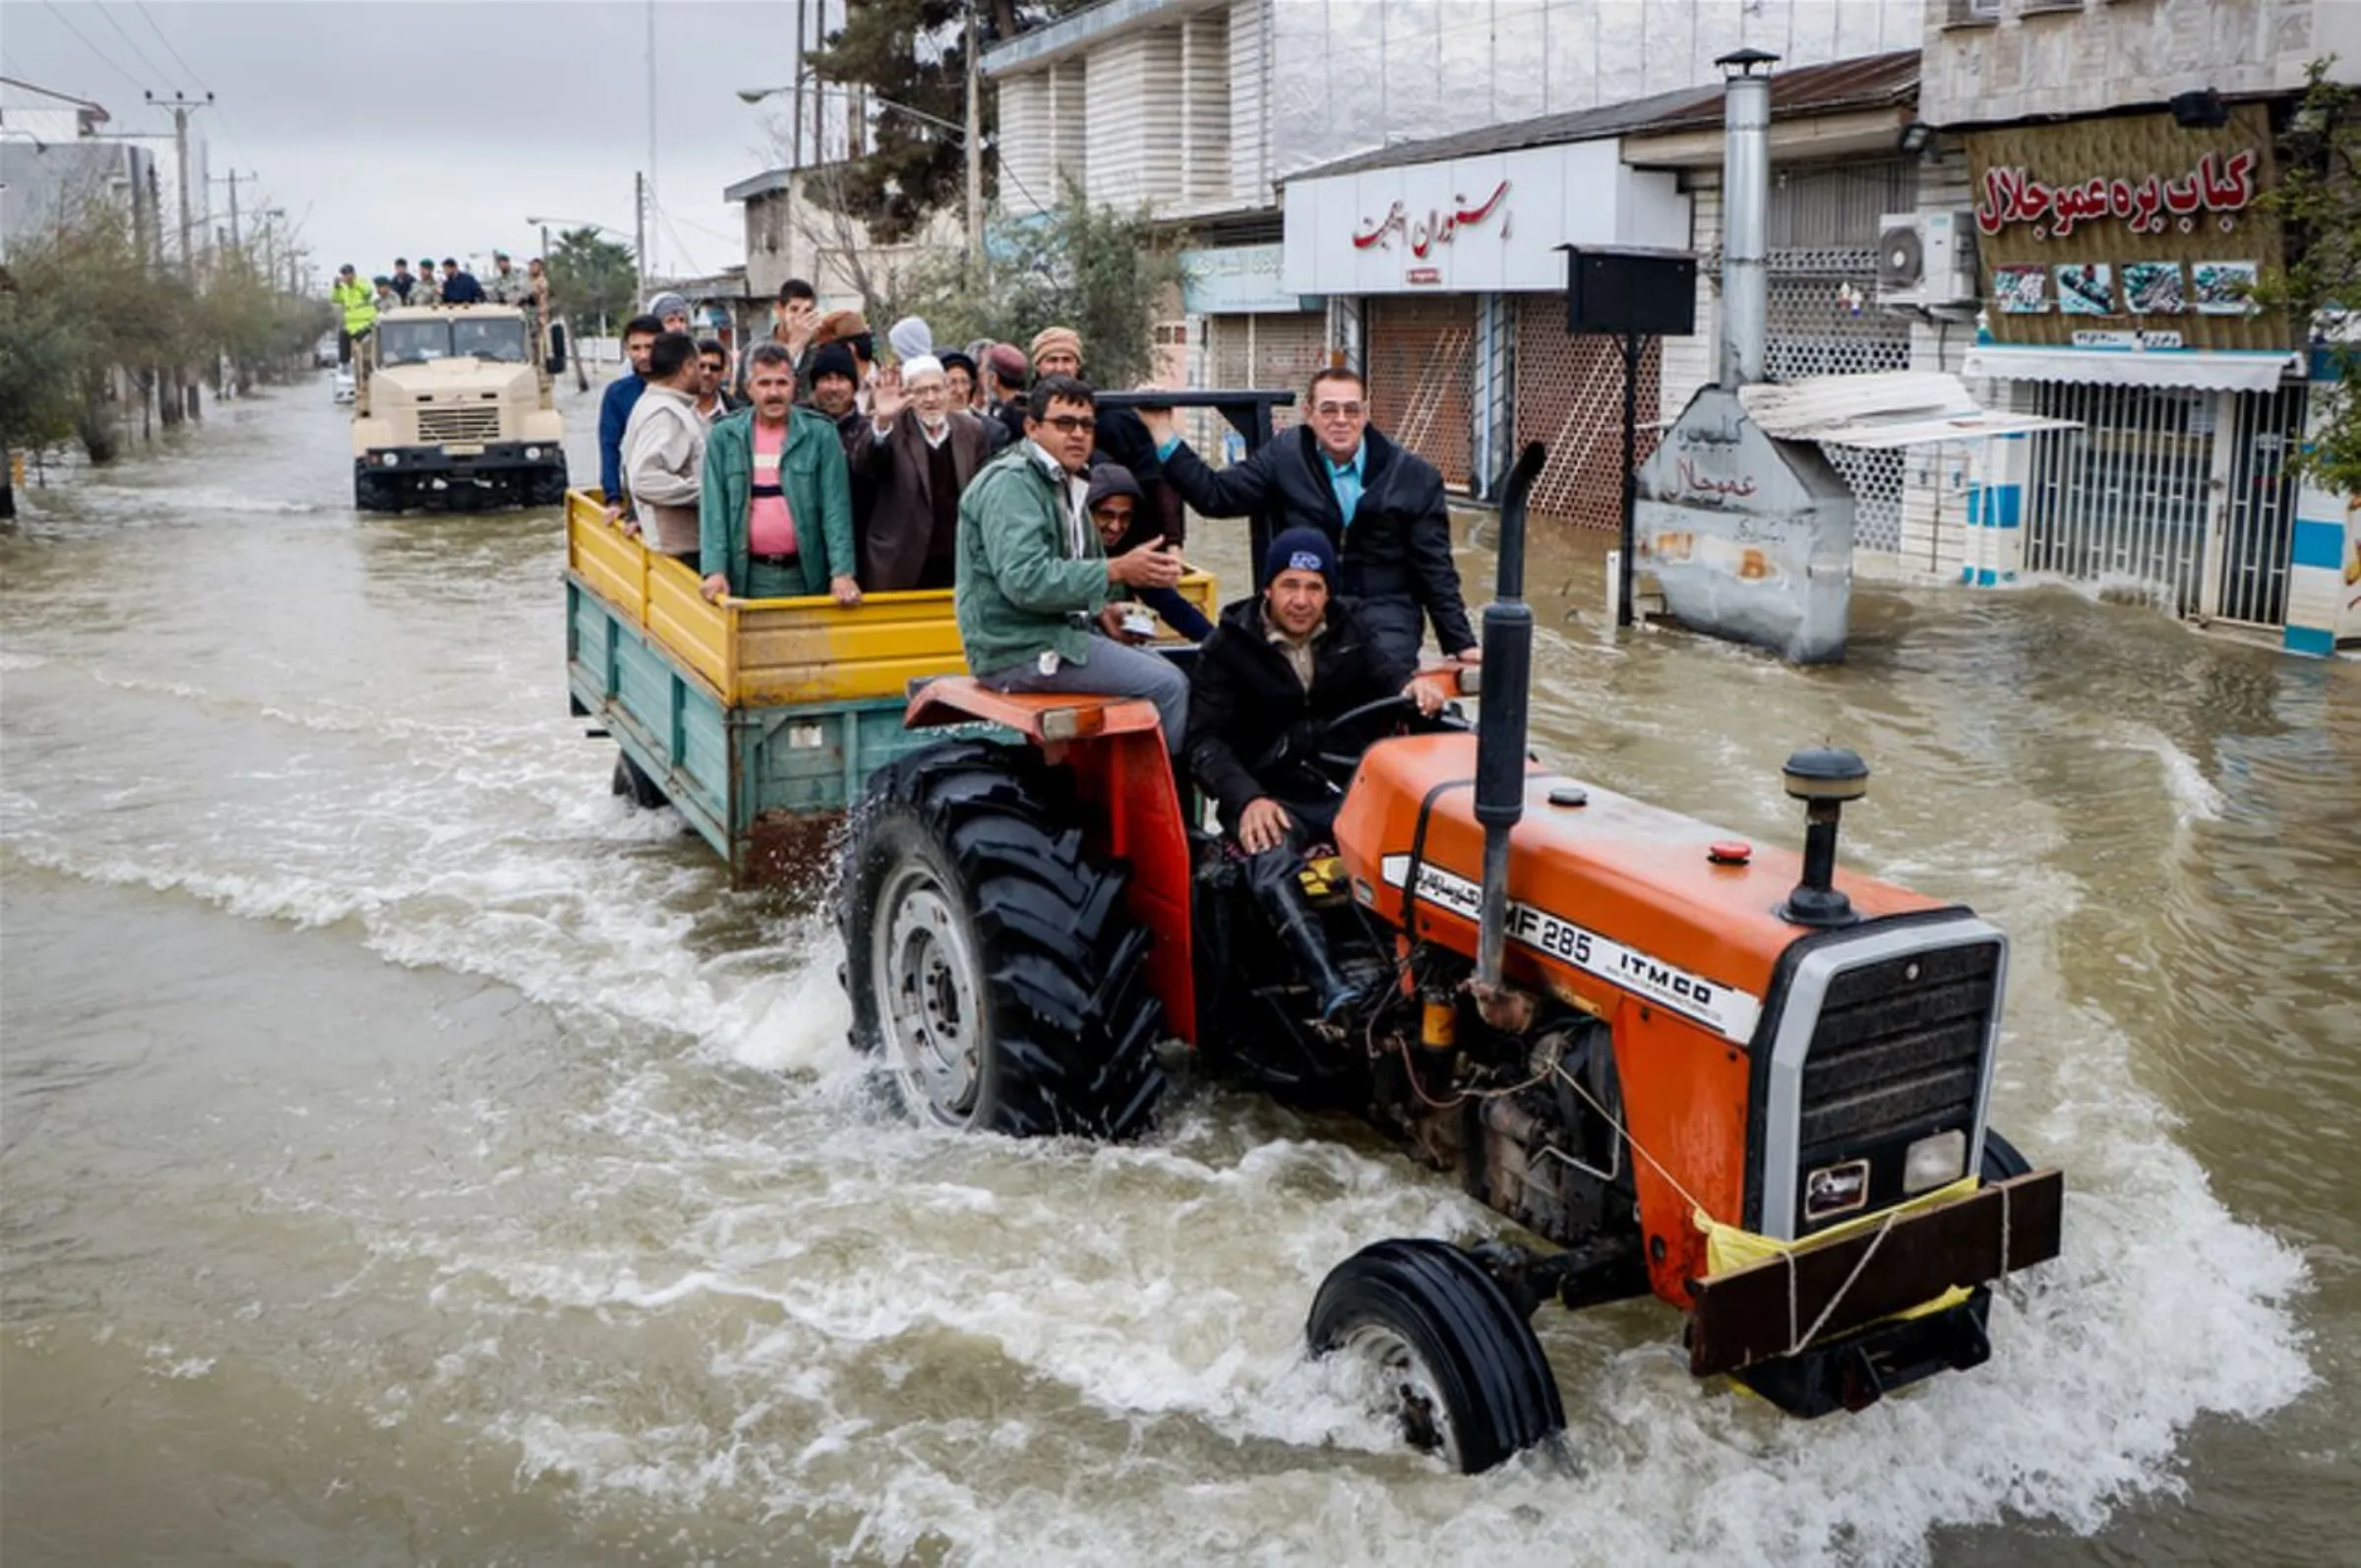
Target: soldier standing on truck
pixel 356 307
pixel 508 286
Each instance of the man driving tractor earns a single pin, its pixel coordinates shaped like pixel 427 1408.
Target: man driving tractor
pixel 1276 674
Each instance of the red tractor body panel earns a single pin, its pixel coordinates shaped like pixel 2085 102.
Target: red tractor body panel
pixel 1619 908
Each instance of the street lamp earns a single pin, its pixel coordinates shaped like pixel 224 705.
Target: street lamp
pixel 967 138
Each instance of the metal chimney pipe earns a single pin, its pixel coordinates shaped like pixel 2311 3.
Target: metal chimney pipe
pixel 1745 201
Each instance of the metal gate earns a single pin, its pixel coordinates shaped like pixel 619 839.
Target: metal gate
pixel 1274 350
pixel 2257 540
pixel 1569 394
pixel 2122 500
pixel 1420 354
pixel 1823 322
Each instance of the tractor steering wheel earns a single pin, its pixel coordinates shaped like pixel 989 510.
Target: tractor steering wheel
pixel 1341 762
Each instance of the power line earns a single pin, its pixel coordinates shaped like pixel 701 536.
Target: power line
pixel 107 59
pixel 110 16
pixel 140 7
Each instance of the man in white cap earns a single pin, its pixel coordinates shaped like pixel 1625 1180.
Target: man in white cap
pixel 918 454
pixel 911 337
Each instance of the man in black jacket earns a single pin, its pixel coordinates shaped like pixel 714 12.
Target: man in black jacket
pixel 1275 673
pixel 1380 507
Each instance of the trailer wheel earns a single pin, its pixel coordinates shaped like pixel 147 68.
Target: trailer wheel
pixel 989 958
pixel 1447 1358
pixel 632 783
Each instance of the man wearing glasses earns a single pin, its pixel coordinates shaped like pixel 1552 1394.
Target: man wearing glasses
pixel 1033 586
pixel 1380 506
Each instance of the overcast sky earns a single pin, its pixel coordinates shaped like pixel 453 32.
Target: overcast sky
pixel 390 128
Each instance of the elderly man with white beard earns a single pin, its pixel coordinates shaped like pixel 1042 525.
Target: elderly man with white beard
pixel 919 453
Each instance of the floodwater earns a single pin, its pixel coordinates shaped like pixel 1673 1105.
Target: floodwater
pixel 410 1156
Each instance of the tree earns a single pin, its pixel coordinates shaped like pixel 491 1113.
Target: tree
pixel 1097 270
pixel 2318 202
pixel 592 279
pixel 914 52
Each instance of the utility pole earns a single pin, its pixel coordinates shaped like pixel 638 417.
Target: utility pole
pixel 237 241
pixel 975 154
pixel 647 269
pixel 639 242
pixel 182 108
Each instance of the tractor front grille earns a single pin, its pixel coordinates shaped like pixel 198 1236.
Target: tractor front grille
pixel 1896 1053
pixel 457 423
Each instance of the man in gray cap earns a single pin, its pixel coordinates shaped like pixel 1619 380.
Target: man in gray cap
pixel 672 310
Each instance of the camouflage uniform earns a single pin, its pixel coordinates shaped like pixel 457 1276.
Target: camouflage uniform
pixel 511 287
pixel 426 291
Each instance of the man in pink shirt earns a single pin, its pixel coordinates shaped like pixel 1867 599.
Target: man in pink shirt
pixel 775 516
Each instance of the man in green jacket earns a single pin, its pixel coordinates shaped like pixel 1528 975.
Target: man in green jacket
pixel 1033 579
pixel 775 503
pixel 356 308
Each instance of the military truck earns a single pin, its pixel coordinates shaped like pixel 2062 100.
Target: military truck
pixel 454 412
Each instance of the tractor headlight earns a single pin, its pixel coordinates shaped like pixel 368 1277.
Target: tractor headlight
pixel 1934 1162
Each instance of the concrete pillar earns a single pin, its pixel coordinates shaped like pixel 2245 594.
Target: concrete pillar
pixel 2324 577
pixel 1995 547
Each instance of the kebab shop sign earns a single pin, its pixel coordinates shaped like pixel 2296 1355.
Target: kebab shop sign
pixel 2090 233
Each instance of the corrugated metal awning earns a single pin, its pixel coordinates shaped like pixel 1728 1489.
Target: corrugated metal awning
pixel 2196 369
pixel 1884 410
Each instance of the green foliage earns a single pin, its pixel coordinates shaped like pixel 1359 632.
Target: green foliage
pixel 914 52
pixel 2319 201
pixel 591 277
pixel 1094 268
pixel 80 302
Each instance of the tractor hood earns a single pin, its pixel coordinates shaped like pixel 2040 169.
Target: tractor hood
pixel 1606 893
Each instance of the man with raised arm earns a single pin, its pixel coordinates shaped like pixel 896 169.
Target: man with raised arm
pixel 1034 580
pixel 1380 507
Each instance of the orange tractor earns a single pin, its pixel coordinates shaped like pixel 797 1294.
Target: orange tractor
pixel 1741 1081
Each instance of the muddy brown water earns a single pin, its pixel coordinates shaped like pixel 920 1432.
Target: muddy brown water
pixel 409 1155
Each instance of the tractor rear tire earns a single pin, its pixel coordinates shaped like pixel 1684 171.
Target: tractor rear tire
pixel 990 961
pixel 1454 1363
pixel 636 786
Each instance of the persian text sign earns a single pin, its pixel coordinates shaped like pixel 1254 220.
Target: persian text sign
pixel 2132 226
pixel 1487 223
pixel 2013 196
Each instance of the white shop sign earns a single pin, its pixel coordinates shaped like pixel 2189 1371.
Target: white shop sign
pixel 1473 225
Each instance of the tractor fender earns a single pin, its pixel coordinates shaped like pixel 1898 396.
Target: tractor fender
pixel 1122 773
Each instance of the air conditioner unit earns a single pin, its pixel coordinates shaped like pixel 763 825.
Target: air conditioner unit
pixel 1926 261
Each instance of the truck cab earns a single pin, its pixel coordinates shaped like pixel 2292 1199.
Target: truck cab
pixel 454 412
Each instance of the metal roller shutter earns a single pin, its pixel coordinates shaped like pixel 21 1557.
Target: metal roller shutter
pixel 1418 355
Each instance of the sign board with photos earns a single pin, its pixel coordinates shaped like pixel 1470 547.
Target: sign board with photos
pixel 2130 230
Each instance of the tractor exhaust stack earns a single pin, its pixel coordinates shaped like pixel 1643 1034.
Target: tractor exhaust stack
pixel 1824 778
pixel 1500 726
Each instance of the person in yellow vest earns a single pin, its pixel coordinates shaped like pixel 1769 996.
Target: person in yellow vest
pixel 356 307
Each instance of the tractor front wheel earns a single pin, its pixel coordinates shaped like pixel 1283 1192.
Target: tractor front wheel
pixel 989 960
pixel 1440 1351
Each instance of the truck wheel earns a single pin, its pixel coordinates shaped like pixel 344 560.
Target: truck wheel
pixel 636 786
pixel 371 493
pixel 1447 1358
pixel 988 958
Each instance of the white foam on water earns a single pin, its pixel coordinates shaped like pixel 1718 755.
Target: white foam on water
pixel 2194 797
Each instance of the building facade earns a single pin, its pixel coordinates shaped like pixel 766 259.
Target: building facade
pixel 2115 165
